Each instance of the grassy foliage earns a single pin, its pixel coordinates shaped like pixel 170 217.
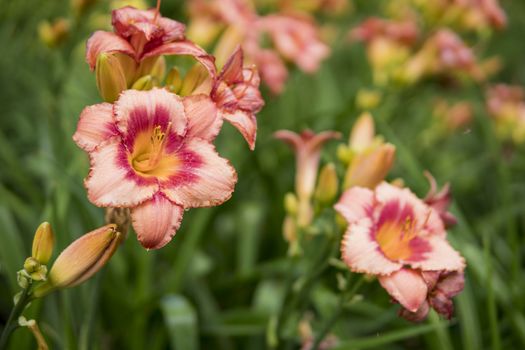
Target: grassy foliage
pixel 224 279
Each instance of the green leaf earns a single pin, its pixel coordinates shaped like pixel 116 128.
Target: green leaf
pixel 181 320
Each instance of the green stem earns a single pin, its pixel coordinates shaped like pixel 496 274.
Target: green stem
pixel 345 296
pixel 12 321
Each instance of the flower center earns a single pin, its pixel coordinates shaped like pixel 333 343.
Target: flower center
pixel 147 161
pixel 394 238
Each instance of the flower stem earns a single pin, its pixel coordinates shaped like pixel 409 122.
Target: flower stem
pixel 345 296
pixel 12 321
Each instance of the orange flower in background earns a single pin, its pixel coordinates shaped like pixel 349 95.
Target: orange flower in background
pixel 397 237
pixel 152 152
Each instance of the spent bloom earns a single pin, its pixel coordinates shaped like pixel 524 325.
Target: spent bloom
pixel 151 152
pixel 236 94
pixel 140 37
pixel 307 146
pixel 399 238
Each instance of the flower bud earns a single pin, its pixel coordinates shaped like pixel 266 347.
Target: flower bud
pixel 363 133
pixel 290 203
pixel 144 83
pixel 195 77
pixel 54 34
pixel 369 168
pixel 43 243
pixel 367 99
pixel 111 80
pixel 81 260
pixel 328 184
pixel 173 80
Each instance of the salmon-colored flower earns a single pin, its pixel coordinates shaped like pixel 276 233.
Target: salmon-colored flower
pixel 142 34
pixel 307 146
pixel 236 94
pixel 506 106
pixel 151 152
pixel 403 32
pixel 396 236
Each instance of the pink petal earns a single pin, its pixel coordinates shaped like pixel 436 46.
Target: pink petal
pixel 111 181
pixel 203 119
pixel 95 125
pixel 101 42
pixel 137 111
pixel 355 203
pixel 362 254
pixel 128 21
pixel 407 287
pixel 232 71
pixel 245 122
pixel 250 97
pixel 208 181
pixel 273 70
pixel 185 47
pixel 440 257
pixel 156 221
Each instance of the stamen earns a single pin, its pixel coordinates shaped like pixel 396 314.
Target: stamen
pixel 157 11
pixel 148 161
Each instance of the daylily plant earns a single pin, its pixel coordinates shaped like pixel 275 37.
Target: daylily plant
pixel 397 237
pixel 151 152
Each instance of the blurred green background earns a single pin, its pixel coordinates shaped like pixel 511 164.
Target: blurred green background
pixel 217 284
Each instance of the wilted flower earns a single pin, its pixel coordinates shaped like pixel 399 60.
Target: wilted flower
pixel 396 236
pixel 81 260
pixel 506 105
pixel 151 152
pixel 370 157
pixel 139 39
pixel 307 146
pixel 236 94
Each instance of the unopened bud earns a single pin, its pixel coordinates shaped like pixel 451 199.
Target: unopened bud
pixel 289 229
pixel 111 80
pixel 290 203
pixel 173 80
pixel 35 270
pixel 53 34
pixel 81 260
pixel 344 154
pixel 159 68
pixel 144 83
pixel 368 99
pixel 328 184
pixel 368 169
pixel 195 77
pixel 43 243
pixel 363 133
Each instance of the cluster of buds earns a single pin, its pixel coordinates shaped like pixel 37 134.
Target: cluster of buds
pixel 294 38
pixel 506 106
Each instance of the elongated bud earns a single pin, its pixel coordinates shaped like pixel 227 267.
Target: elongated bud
pixel 173 80
pixel 144 83
pixel 43 243
pixel 369 168
pixel 81 260
pixel 363 133
pixel 111 80
pixel 159 68
pixel 328 184
pixel 196 75
pixel 290 203
pixel 55 33
pixel 368 99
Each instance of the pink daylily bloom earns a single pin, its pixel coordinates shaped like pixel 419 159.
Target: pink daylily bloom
pixel 396 236
pixel 151 152
pixel 440 200
pixel 403 32
pixel 296 39
pixel 236 94
pixel 141 34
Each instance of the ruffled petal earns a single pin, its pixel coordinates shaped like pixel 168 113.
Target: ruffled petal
pixel 355 203
pixel 95 125
pixel 185 47
pixel 156 221
pixel 203 119
pixel 204 178
pixel 441 257
pixel 101 42
pixel 245 122
pixel 111 181
pixel 407 287
pixel 139 111
pixel 362 254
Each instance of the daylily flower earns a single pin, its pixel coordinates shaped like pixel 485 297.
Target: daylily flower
pixel 394 235
pixel 454 116
pixel 236 94
pixel 151 152
pixel 142 36
pixel 506 106
pixel 307 146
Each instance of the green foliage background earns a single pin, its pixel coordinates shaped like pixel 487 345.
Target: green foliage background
pixel 220 280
